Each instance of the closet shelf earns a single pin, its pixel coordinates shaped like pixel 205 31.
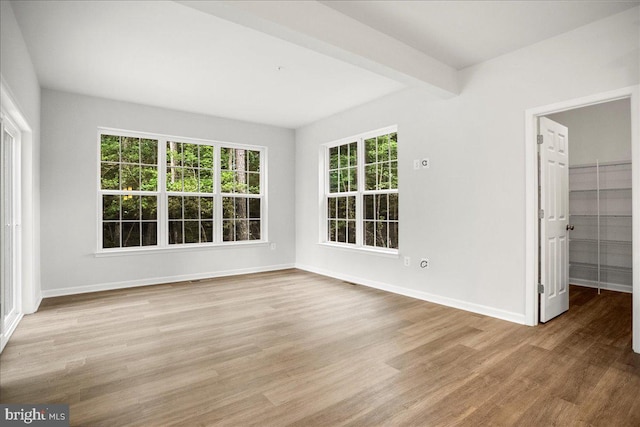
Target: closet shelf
pixel 601 190
pixel 602 267
pixel 604 241
pixel 602 216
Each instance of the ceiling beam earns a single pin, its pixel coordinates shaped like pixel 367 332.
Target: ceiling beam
pixel 316 26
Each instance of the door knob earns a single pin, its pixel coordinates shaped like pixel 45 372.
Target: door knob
pixel 569 227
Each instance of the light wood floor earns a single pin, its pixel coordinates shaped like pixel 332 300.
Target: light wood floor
pixel 294 348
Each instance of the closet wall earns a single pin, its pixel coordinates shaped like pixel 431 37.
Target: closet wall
pixel 600 252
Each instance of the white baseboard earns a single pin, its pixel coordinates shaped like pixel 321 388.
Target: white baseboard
pixel 603 285
pixel 48 293
pixel 425 296
pixel 6 335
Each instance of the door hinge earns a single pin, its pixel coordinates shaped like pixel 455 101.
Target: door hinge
pixel 540 213
pixel 540 288
pixel 540 139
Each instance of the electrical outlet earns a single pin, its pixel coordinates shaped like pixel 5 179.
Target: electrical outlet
pixel 425 163
pixel 273 246
pixel 416 164
pixel 424 263
pixel 407 261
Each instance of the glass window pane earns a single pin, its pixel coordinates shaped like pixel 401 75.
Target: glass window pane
pixel 394 175
pixel 227 181
pixel 130 234
pixel 226 158
pixel 342 207
pixel 393 235
pixel 174 154
pixel 351 232
pixel 241 208
pixel 192 232
pixel 149 207
pixel 254 208
pixel 228 208
pixel 369 233
pixel 111 207
pixel 393 206
pixel 191 208
pixel 333 158
pixel 206 181
pixel 149 233
pixel 175 232
pixel 110 176
pixel 381 207
pixel 381 234
pixel 206 231
pixel 370 151
pixel 149 180
pixel 190 177
pixel 130 150
pixel 351 207
pixel 206 207
pixel 333 182
pixel 131 207
pixel 343 178
pixel 228 230
pixel 370 177
pixel 149 151
pixel 110 148
pixel 240 182
pixel 111 235
pixel 393 143
pixel 353 154
pixel 254 230
pixel 175 207
pixel 242 230
pixel 353 179
pixel 383 148
pixel 254 182
pixel 342 231
pixel 331 231
pixel 369 209
pixel 383 176
pixel 206 156
pixel 130 177
pixel 174 179
pixel 331 207
pixel 190 155
pixel 253 161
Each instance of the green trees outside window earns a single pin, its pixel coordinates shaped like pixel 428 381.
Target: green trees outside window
pixel 205 200
pixel 362 181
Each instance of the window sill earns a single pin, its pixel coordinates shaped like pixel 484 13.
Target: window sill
pixel 179 248
pixel 388 253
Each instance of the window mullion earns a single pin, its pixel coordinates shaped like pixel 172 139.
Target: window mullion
pixel 217 186
pixel 359 197
pixel 163 201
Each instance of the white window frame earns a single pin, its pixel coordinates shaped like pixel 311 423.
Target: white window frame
pixel 163 194
pixel 359 193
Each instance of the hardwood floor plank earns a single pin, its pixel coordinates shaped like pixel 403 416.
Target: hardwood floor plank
pixel 295 348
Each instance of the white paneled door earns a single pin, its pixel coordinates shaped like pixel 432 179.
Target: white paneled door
pixel 554 219
pixel 10 301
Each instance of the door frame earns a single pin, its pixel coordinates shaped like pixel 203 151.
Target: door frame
pixel 531 196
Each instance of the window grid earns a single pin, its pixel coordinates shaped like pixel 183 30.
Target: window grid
pixel 181 202
pixel 373 220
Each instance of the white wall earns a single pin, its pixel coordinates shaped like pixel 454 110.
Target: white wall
pixel 599 132
pixel 467 212
pixel 18 74
pixel 69 195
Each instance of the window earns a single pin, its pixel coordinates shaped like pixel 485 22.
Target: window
pixel 173 192
pixel 361 190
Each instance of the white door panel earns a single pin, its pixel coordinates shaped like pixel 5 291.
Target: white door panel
pixel 554 201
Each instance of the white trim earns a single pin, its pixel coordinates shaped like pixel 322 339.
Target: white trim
pixel 5 337
pixel 147 250
pixel 389 253
pixel 49 293
pixel 531 200
pixel 425 296
pixel 603 285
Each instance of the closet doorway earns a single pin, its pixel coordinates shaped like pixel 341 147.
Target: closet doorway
pixel 613 231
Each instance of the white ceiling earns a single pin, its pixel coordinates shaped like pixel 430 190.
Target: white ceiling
pixel 465 33
pixel 170 55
